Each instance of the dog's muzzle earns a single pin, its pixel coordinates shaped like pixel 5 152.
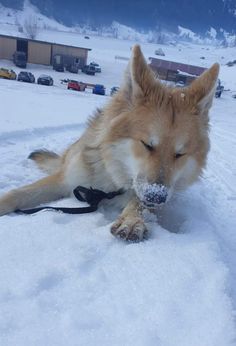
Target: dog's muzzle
pixel 151 195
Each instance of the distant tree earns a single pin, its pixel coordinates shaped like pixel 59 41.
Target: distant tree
pixel 114 29
pixel 115 32
pixel 31 27
pixel 19 26
pixel 224 43
pixel 100 30
pixel 234 42
pixel 158 35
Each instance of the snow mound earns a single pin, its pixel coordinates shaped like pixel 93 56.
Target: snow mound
pixel 12 20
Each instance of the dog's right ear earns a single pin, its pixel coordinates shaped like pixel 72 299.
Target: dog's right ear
pixel 202 89
pixel 139 78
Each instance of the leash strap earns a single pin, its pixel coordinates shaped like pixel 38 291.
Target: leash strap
pixel 91 196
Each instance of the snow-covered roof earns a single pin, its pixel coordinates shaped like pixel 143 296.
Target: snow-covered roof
pixel 186 74
pixel 177 66
pixel 45 41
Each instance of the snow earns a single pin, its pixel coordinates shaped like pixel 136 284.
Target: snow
pixel 212 33
pixel 186 32
pixel 64 279
pixel 11 19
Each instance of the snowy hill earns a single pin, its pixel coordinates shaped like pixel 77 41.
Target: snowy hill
pixel 140 14
pixel 12 22
pixel 16 18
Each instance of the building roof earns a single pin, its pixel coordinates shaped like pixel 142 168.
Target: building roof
pixel 176 66
pixel 45 42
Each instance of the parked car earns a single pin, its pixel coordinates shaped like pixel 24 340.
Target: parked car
pixel 86 37
pixel 160 52
pixel 89 69
pixel 219 89
pixel 45 80
pixel 72 68
pixel 20 59
pixel 75 85
pixel 97 66
pixel 230 63
pixel 114 90
pixel 180 84
pixel 99 89
pixel 58 63
pixel 7 74
pixel 24 76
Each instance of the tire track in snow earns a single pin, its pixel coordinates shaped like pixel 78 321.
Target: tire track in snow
pixel 27 134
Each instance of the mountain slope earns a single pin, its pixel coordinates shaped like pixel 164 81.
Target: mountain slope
pixel 140 14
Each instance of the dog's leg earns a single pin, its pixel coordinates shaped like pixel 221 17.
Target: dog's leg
pixel 44 190
pixel 130 225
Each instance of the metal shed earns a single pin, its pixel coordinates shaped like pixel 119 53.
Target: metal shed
pixel 40 52
pixel 7 47
pixel 175 71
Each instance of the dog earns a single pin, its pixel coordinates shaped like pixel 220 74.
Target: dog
pixel 150 140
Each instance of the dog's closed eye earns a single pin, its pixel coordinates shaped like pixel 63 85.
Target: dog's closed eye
pixel 178 155
pixel 148 146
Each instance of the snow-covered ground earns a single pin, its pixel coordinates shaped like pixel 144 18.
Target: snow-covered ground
pixel 64 279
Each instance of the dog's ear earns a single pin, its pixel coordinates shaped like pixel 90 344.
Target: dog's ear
pixel 139 78
pixel 202 89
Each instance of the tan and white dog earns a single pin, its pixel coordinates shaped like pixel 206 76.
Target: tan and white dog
pixel 150 140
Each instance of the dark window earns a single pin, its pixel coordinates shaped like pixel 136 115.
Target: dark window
pixel 171 75
pixel 22 46
pixel 181 78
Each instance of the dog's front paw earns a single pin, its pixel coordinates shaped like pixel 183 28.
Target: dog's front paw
pixel 131 229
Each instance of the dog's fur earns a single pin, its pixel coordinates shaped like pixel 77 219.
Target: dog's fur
pixel 149 136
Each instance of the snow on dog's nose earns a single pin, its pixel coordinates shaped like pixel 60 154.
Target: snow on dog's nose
pixel 151 195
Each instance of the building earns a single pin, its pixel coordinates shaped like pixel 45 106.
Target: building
pixel 40 52
pixel 174 71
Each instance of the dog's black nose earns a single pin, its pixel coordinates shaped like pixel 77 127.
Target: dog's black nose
pixel 156 194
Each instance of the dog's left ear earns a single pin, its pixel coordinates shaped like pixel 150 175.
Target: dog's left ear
pixel 139 78
pixel 202 89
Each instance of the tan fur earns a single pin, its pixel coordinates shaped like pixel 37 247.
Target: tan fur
pixel 130 144
pixel 48 161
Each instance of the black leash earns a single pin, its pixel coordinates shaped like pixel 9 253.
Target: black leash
pixel 92 196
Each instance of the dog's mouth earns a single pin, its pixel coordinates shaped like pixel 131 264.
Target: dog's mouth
pixel 149 205
pixel 151 195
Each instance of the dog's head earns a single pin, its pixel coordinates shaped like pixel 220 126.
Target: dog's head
pixel 158 133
